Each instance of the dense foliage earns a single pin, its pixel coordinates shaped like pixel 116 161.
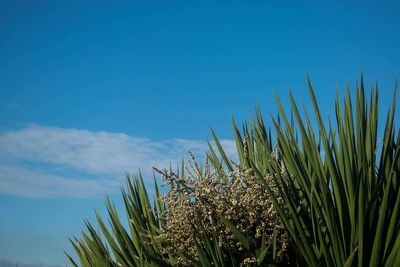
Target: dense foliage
pixel 327 195
pixel 195 203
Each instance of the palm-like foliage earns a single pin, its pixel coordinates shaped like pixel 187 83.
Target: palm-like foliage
pixel 339 183
pixel 342 189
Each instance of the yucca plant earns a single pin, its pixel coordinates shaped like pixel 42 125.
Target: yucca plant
pixel 340 183
pixel 335 188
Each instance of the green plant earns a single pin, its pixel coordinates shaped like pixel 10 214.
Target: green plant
pixel 335 190
pixel 342 189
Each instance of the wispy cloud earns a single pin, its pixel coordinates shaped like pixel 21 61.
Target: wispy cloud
pixel 40 161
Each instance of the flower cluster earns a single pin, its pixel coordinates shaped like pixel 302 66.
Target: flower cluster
pixel 194 201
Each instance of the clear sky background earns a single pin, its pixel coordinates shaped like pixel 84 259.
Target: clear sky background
pixel 91 89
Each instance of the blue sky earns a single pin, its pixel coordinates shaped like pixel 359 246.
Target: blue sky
pixel 89 90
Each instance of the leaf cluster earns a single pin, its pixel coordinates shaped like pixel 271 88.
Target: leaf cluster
pixel 334 188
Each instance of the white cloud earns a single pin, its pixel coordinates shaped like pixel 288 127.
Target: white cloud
pixel 101 156
pixel 21 181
